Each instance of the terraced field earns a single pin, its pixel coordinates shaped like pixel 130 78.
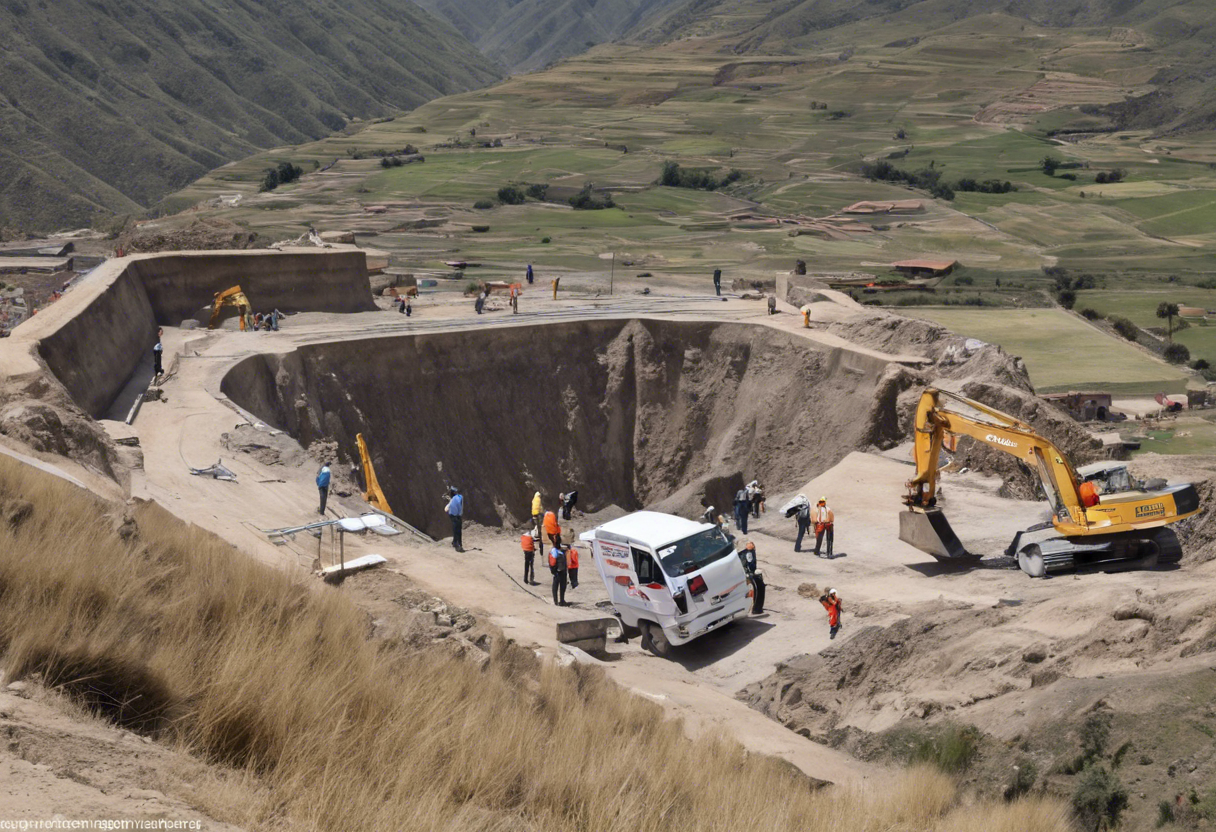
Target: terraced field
pixel 973 100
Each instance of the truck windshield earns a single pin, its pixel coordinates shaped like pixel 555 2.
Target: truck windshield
pixel 692 553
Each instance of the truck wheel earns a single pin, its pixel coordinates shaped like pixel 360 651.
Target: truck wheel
pixel 654 640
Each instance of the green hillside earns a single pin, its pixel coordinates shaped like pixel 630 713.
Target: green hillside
pixel 525 35
pixel 1174 38
pixel 107 106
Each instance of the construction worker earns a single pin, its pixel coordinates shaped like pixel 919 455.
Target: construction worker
pixel 480 303
pixel 455 511
pixel 748 556
pixel 772 304
pixel 710 515
pixel 530 276
pixel 718 282
pixel 831 602
pixel 804 522
pixel 572 565
pixel 552 529
pixel 514 299
pixel 569 499
pixel 158 354
pixel 756 492
pixel 537 508
pixel 806 317
pixel 528 542
pixel 323 478
pixel 558 567
pixel 743 507
pixel 1090 495
pixel 556 281
pixel 825 522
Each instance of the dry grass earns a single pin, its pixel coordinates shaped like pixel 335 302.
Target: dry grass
pixel 171 632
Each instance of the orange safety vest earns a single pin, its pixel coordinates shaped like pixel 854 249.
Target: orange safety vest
pixel 528 542
pixel 572 558
pixel 833 608
pixel 551 527
pixel 1089 494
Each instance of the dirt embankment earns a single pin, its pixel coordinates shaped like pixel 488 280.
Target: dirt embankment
pixel 627 412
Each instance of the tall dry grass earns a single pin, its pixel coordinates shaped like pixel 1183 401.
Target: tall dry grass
pixel 171 631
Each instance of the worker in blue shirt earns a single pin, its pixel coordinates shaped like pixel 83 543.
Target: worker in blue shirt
pixel 455 510
pixel 323 485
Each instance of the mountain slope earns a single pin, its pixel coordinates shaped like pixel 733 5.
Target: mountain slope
pixel 525 35
pixel 106 106
pixel 1179 33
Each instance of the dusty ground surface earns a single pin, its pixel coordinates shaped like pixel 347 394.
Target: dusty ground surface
pixel 1017 657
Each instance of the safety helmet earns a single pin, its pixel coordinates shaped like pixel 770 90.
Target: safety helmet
pixel 831 592
pixel 823 500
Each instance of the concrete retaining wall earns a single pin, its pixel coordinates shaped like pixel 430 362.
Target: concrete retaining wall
pixel 93 339
pixel 180 285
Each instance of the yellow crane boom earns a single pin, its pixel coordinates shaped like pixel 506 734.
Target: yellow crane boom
pixel 1099 513
pixel 374 495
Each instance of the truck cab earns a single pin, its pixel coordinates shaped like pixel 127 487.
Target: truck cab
pixel 670 580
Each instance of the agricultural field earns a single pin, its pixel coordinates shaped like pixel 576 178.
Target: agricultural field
pixel 981 99
pixel 1061 352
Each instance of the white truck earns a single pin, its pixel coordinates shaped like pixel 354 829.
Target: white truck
pixel 670 580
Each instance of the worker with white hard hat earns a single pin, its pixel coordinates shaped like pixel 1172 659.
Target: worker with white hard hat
pixel 825 521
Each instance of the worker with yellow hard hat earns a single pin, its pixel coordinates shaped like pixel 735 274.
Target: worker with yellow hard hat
pixel 825 521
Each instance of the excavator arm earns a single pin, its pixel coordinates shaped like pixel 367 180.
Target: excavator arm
pixel 941 415
pixel 232 296
pixel 374 495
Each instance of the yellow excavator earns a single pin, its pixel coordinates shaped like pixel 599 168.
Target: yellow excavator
pixel 232 296
pixel 1100 513
pixel 373 494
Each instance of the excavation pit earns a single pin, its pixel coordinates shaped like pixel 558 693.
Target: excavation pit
pixel 630 413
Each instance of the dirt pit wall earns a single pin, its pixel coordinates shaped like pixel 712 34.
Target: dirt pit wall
pixel 628 412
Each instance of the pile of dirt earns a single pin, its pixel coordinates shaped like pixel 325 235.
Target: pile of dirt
pixel 196 235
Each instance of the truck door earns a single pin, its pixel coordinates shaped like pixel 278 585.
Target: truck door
pixel 652 589
pixel 615 565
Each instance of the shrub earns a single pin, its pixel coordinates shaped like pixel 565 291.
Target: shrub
pixel 1067 298
pixel 1099 799
pixel 1026 773
pixel 483 204
pixel 963 280
pixel 952 750
pixel 1071 177
pixel 1091 314
pixel 544 241
pixel 512 195
pixel 480 229
pixel 1177 354
pixel 1125 328
pixel 701 179
pixel 286 172
pixel 586 201
pixel 1200 364
pixel 1050 165
pixel 537 191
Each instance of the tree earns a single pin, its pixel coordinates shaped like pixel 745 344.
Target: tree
pixel 1177 354
pixel 1050 165
pixel 1067 298
pixel 1168 311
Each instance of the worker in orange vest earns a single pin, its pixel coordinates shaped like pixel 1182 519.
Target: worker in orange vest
pixel 552 529
pixel 825 524
pixel 528 541
pixel 1090 496
pixel 572 565
pixel 831 602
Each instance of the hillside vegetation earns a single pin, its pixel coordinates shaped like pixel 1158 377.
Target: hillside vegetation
pixel 524 35
pixel 1173 36
pixel 107 106
pixel 172 633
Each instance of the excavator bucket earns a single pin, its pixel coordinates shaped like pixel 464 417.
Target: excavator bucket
pixel 929 530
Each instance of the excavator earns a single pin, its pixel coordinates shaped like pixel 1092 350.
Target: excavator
pixel 1101 515
pixel 374 495
pixel 232 296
